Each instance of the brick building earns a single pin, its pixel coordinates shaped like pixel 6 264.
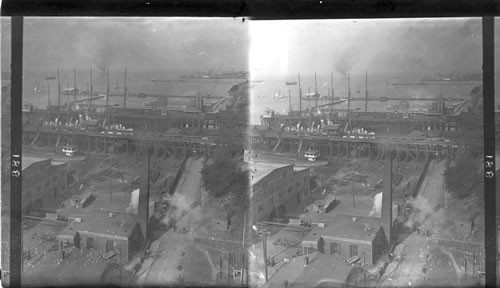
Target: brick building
pixel 117 236
pixel 276 189
pixel 346 236
pixel 44 185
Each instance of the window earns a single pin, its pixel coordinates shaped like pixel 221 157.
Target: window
pixel 90 243
pixel 354 250
pixel 335 248
pixel 110 245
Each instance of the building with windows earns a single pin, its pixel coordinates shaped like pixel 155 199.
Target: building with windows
pixel 44 185
pixel 355 239
pixel 113 225
pixel 116 236
pixel 346 236
pixel 276 189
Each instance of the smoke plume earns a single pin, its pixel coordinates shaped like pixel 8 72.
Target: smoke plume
pixel 377 205
pixel 134 201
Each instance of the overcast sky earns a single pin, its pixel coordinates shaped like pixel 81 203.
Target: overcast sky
pixel 271 47
pixel 139 43
pixel 376 45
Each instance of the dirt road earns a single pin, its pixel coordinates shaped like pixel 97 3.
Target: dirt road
pixel 176 250
pixel 433 188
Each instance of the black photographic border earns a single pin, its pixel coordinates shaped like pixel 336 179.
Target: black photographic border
pixel 258 10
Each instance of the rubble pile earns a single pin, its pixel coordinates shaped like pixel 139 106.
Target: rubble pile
pixel 102 175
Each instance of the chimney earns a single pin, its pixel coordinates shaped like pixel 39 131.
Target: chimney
pixel 386 213
pixel 143 206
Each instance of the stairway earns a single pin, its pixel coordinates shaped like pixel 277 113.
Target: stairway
pixel 300 146
pixel 35 139
pixel 277 144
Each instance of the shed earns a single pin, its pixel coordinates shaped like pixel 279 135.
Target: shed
pixel 346 236
pixel 104 233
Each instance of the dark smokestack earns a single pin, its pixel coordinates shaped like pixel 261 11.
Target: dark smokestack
pixel 386 213
pixel 143 206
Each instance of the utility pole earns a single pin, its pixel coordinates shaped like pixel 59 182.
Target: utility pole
pixel 110 195
pixel 125 90
pixel 364 267
pixel 366 92
pixel 220 273
pixel 243 267
pixel 264 244
pixel 228 268
pixel 300 97
pixel 244 229
pixel 58 89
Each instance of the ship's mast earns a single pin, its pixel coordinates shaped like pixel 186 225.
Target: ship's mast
pixel 349 100
pixel 366 91
pixel 74 84
pixel 300 97
pixel 58 89
pixel 125 90
pixel 48 94
pixel 91 88
pixel 107 95
pixel 88 99
pixel 316 91
pixel 332 93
